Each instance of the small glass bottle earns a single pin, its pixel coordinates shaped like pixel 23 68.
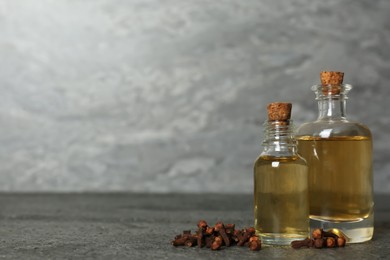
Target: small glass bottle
pixel 339 156
pixel 281 205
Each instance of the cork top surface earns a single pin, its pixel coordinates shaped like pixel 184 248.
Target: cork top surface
pixel 331 77
pixel 279 111
pixel 331 82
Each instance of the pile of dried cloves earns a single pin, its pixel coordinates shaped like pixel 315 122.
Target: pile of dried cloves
pixel 320 239
pixel 218 236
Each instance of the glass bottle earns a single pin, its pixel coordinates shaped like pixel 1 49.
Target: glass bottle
pixel 339 156
pixel 281 205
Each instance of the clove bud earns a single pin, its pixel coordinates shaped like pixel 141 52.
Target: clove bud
pixel 220 228
pixel 319 243
pixel 255 245
pixel 180 240
pixel 341 242
pixel 317 233
pixel 302 243
pixel 247 234
pixel 202 225
pixel 217 243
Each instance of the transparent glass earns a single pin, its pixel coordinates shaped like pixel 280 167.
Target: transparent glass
pixel 281 205
pixel 339 155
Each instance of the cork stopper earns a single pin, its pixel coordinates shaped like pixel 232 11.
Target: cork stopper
pixel 331 77
pixel 279 111
pixel 331 82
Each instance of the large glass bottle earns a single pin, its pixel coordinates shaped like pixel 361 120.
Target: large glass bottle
pixel 339 155
pixel 281 205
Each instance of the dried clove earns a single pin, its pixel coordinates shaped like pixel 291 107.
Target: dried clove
pixel 254 238
pixel 220 228
pixel 255 245
pixel 341 242
pixel 179 241
pixel 217 243
pixel 245 237
pixel 191 241
pixel 209 240
pixel 200 238
pixel 330 242
pixel 319 243
pixel 229 228
pixel 209 231
pixel 317 233
pixel 182 238
pixel 237 235
pixel 202 225
pixel 302 243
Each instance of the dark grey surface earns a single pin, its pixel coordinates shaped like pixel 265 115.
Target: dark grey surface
pixel 169 96
pixel 140 226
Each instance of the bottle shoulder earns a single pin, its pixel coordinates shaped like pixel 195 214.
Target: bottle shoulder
pixel 333 128
pixel 266 159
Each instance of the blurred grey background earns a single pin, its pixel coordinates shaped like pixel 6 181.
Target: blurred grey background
pixel 170 95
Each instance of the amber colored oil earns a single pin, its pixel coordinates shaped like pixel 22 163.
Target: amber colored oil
pixel 340 177
pixel 281 199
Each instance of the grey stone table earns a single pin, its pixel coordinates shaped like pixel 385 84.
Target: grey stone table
pixel 140 226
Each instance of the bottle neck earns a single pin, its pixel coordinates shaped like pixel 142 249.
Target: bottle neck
pixel 332 108
pixel 279 139
pixel 332 101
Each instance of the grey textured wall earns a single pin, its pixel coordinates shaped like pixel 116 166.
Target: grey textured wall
pixel 152 95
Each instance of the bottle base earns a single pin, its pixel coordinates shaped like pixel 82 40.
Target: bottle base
pixel 355 232
pixel 280 239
